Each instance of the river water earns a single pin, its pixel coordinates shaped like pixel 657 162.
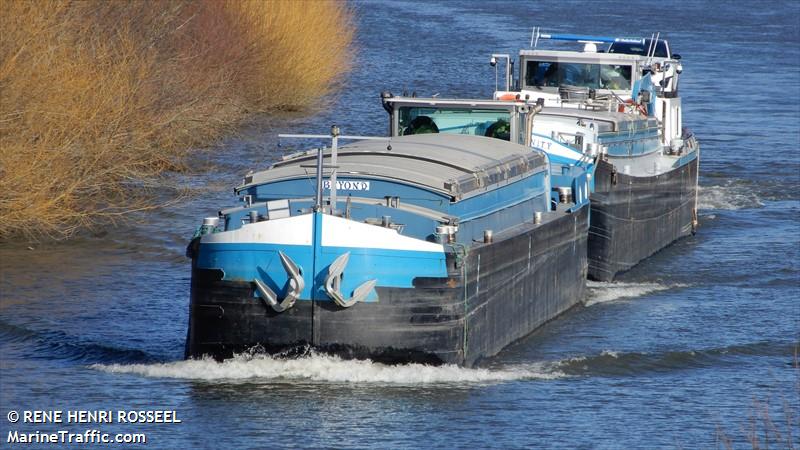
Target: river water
pixel 690 349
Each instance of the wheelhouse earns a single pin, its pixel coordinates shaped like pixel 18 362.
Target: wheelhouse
pixel 505 120
pixel 635 76
pixel 570 140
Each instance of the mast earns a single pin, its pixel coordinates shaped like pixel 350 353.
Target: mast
pixel 334 136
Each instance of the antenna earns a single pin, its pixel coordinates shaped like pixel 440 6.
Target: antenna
pixel 651 49
pixel 655 45
pixel 493 63
pixel 335 132
pixel 318 199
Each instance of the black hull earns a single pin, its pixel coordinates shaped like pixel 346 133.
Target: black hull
pixel 634 217
pixel 525 278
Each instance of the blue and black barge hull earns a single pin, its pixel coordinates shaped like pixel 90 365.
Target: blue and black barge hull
pixel 442 249
pixel 633 217
pixel 494 293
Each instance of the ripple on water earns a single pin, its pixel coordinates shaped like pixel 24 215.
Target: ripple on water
pixel 730 196
pixel 604 292
pixel 633 363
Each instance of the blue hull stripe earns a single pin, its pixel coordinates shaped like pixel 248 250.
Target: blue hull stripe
pixel 392 268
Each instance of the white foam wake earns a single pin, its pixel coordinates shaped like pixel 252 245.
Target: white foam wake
pixel 601 292
pixel 324 368
pixel 728 197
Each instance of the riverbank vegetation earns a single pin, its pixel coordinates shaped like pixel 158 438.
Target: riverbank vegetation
pixel 99 99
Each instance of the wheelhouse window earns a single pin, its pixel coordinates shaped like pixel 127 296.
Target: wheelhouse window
pixel 640 48
pixel 594 76
pixel 477 122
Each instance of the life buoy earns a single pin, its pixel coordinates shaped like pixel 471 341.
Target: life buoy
pixel 508 97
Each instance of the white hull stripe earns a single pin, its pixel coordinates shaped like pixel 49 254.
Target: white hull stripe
pixel 295 230
pixel 339 232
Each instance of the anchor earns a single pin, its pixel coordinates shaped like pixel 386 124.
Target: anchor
pixel 334 282
pixel 296 285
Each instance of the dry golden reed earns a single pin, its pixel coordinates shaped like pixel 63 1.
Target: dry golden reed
pixel 99 98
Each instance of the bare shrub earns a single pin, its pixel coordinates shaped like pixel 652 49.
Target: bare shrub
pixel 98 99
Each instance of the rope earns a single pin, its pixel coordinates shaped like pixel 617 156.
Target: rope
pixel 460 252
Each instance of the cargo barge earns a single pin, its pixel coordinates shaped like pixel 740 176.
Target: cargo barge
pixel 426 248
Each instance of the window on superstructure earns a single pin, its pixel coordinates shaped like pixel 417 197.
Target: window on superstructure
pixel 640 48
pixel 477 122
pixel 594 76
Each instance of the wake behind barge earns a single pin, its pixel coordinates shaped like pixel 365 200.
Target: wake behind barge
pixel 422 248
